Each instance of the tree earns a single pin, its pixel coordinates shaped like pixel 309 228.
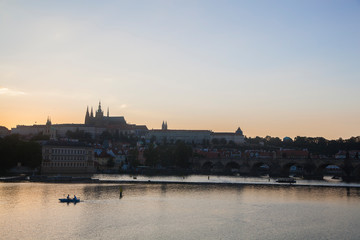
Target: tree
pixel 300 142
pixel 231 143
pixel 39 137
pixel 274 141
pixel 182 154
pixel 81 135
pixel 110 163
pixel 205 142
pixel 215 141
pixel 164 141
pixel 151 155
pixel 348 168
pixel 166 155
pixel 152 139
pixel 133 157
pixel 105 135
pixel 223 141
pixel 14 150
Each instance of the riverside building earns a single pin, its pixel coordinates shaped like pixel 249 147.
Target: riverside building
pixel 67 157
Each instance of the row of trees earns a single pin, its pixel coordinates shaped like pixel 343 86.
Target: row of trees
pixel 14 150
pixel 315 145
pixel 118 137
pixel 83 136
pixel 177 154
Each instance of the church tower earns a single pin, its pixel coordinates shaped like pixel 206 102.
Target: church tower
pixel 239 132
pixel 99 112
pixel 164 126
pixel 87 116
pixel 48 122
pixel 47 127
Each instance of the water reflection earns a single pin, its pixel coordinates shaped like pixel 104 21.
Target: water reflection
pixel 163 189
pixel 178 211
pixel 9 194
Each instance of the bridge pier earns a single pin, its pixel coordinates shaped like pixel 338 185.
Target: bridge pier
pixel 277 171
pixel 244 169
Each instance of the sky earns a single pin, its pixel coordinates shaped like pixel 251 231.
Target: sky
pixel 278 68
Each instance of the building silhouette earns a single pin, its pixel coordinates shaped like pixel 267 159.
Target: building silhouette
pixel 104 121
pixel 95 124
pixel 193 136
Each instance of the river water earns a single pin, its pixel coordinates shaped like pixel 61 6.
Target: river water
pixel 178 211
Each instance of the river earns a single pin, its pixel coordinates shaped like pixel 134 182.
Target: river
pixel 178 211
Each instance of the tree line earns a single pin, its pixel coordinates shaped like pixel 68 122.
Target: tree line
pixel 14 150
pixel 167 155
pixel 315 145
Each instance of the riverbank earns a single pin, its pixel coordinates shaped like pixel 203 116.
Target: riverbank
pixel 185 180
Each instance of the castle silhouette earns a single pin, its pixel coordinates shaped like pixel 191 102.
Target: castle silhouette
pixel 100 120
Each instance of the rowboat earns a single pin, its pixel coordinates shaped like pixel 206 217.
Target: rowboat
pixel 70 200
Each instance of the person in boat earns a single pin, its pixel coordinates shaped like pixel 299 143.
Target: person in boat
pixel 75 198
pixel 68 197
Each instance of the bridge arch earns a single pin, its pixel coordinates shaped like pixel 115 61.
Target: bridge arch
pixel 356 172
pixel 292 168
pixel 217 167
pixel 260 168
pixel 330 169
pixel 207 165
pixel 232 165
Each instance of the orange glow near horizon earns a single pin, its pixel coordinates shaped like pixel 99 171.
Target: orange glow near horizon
pixel 221 67
pixel 257 125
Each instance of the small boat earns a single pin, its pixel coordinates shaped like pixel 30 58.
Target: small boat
pixel 70 200
pixel 286 180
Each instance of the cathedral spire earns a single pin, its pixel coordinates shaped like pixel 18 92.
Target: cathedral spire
pixel 92 113
pixel 164 126
pixel 99 110
pixel 87 116
pixel 99 113
pixel 108 112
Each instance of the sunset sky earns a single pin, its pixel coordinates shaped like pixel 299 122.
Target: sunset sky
pixel 279 68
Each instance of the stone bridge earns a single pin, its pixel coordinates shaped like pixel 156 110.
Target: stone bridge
pixel 277 166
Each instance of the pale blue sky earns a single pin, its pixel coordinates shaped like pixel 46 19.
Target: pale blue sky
pixel 271 67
